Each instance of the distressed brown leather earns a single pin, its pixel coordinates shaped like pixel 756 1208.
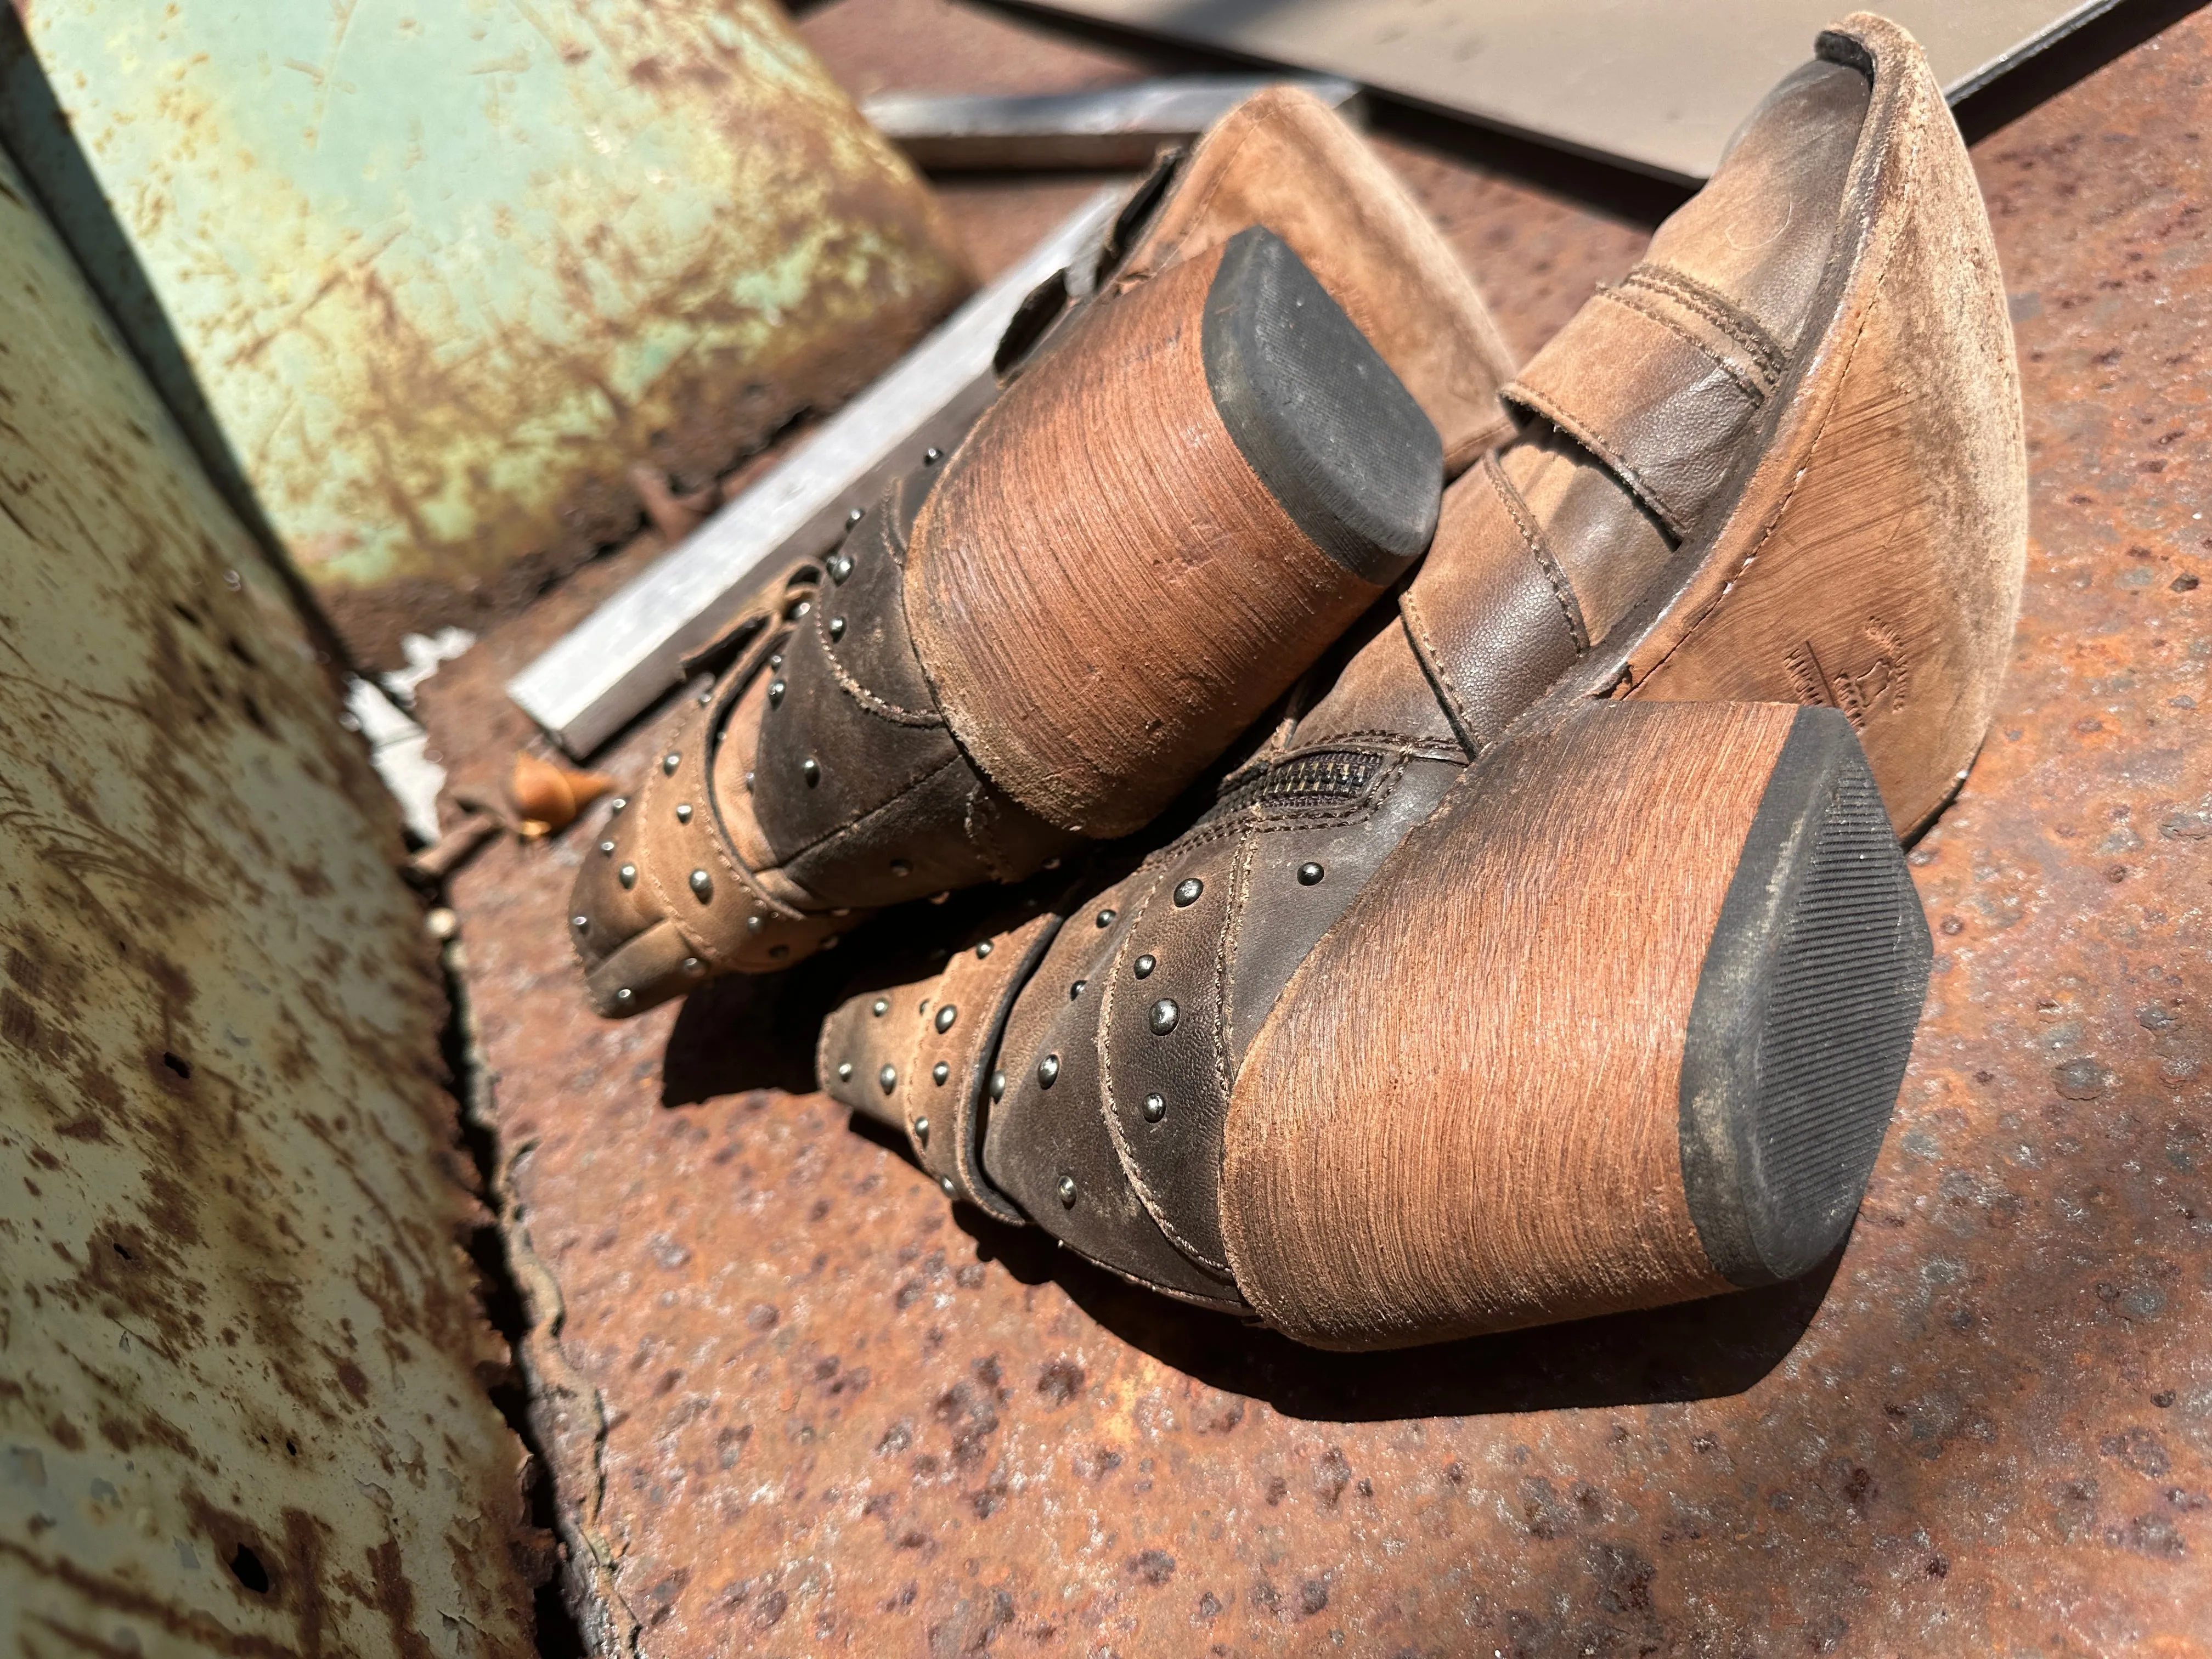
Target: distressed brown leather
pixel 1601 537
pixel 892 808
pixel 1872 560
pixel 918 1057
pixel 1284 159
pixel 843 782
pixel 664 897
pixel 1044 637
pixel 1047 1144
pixel 1497 621
pixel 1663 393
pixel 1794 318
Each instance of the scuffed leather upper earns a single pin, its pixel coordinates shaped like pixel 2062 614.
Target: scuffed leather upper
pixel 1118 1054
pixel 891 808
pixel 839 784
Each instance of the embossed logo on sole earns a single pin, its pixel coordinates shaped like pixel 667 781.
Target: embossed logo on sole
pixel 1881 676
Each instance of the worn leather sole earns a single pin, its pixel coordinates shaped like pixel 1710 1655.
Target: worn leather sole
pixel 1870 559
pixel 1176 1079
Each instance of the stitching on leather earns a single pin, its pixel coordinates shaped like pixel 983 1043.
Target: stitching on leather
pixel 988 981
pixel 1006 984
pixel 1910 166
pixel 1153 1204
pixel 1658 318
pixel 1102 1036
pixel 1231 945
pixel 1336 740
pixel 1509 498
pixel 868 701
pixel 789 912
pixel 1102 1045
pixel 1232 941
pixel 1417 629
pixel 1439 748
pixel 1378 792
pixel 728 951
pixel 1574 428
pixel 1378 796
pixel 1717 308
pixel 1248 826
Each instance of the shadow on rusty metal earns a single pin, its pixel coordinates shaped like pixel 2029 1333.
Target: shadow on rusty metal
pixel 1697 1350
pixel 742 1033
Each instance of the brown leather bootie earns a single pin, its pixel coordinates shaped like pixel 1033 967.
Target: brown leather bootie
pixel 1555 954
pixel 1197 481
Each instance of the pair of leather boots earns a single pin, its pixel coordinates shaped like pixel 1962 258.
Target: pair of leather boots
pixel 1505 919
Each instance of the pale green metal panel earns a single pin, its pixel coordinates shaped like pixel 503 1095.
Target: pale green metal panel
pixel 446 268
pixel 242 1408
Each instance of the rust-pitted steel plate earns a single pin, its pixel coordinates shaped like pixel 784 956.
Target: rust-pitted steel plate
pixel 806 1408
pixel 244 1372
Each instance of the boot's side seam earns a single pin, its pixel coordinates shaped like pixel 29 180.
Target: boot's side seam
pixel 1717 308
pixel 1123 1153
pixel 1431 660
pixel 1510 497
pixel 1623 297
pixel 879 707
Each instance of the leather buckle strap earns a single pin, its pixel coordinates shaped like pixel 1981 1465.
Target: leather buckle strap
pixel 772 602
pixel 1659 377
pixel 1490 616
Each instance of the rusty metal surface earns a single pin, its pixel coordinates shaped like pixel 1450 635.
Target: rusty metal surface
pixel 804 1408
pixel 872 46
pixel 242 1366
pixel 446 272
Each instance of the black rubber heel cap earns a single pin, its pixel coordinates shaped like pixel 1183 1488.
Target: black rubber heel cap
pixel 1804 1014
pixel 1317 414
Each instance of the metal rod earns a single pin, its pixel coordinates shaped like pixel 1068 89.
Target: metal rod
pixel 1109 127
pixel 627 655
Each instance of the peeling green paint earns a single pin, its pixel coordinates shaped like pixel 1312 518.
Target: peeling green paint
pixel 446 271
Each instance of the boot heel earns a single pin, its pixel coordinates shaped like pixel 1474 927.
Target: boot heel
pixel 1620 1026
pixel 1158 527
